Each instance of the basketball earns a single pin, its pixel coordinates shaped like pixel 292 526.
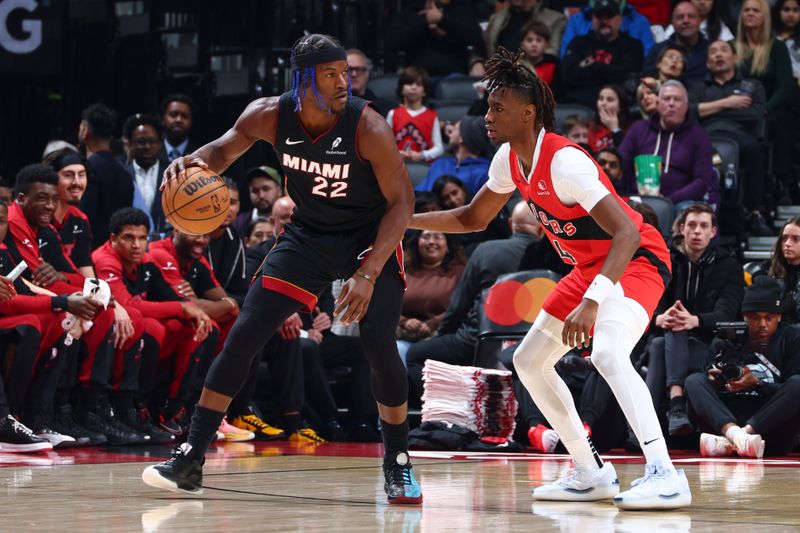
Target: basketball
pixel 196 204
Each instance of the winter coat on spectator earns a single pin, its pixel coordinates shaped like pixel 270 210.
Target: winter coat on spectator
pixel 633 23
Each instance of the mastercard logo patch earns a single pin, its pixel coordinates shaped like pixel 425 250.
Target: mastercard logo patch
pixel 511 302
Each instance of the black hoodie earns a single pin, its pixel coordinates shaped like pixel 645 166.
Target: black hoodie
pixel 712 288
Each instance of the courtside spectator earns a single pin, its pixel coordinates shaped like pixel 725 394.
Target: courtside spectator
pixel 786 21
pixel 110 186
pixel 687 175
pixel 711 25
pixel 435 36
pixel 535 40
pixel 416 128
pixel 177 118
pixel 766 59
pixel 633 23
pixel 507 25
pixel 265 185
pixel 470 149
pixel 226 253
pixel 604 55
pixel 731 105
pixel 142 135
pixel 706 288
pixel 686 21
pixel 610 122
pixel 757 413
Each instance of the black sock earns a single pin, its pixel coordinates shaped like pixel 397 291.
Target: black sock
pixel 677 401
pixel 290 423
pixel 205 423
pixel 395 439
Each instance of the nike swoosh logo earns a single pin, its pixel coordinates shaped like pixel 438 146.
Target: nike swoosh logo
pixel 291 142
pixel 649 442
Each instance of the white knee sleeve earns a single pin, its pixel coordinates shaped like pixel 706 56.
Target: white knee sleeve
pixel 534 362
pixel 620 323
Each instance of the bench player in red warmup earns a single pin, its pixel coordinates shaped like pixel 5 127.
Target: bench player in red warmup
pixel 621 269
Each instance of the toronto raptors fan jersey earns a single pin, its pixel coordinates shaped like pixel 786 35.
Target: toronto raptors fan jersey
pixel 564 185
pixel 334 189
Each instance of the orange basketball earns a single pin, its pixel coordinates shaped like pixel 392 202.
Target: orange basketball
pixel 196 204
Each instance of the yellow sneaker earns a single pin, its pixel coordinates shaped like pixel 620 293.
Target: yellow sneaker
pixel 306 436
pixel 250 421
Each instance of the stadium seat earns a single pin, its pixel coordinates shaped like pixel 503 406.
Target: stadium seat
pixel 384 86
pixel 417 172
pixel 565 110
pixel 449 111
pixel 664 210
pixel 508 308
pixel 457 88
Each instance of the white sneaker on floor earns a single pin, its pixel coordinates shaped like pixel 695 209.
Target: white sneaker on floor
pixel 659 488
pixel 579 485
pixel 715 446
pixel 749 445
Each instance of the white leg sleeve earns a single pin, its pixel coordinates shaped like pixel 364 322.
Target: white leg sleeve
pixel 534 362
pixel 620 323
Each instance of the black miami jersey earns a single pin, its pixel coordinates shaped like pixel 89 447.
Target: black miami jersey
pixel 334 189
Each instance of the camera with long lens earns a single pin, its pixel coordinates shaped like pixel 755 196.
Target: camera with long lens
pixel 730 358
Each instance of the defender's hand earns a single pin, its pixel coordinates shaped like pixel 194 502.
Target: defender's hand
pixel 578 325
pixel 178 168
pixel 353 301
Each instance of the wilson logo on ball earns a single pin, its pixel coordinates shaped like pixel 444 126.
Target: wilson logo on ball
pixel 199 183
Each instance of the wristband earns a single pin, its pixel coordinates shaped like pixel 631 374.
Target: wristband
pixel 58 303
pixel 599 289
pixel 365 276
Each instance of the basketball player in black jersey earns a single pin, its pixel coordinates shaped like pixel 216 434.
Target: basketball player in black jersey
pixel 354 201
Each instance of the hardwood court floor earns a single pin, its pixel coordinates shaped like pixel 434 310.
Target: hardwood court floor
pixel 338 487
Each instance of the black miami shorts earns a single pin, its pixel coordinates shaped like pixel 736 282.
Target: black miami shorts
pixel 303 262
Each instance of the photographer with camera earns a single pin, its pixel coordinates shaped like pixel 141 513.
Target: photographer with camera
pixel 748 398
pixel 707 287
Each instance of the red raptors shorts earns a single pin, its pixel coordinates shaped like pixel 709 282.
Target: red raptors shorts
pixel 642 281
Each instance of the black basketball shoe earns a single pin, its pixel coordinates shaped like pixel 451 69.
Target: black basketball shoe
pixel 183 472
pixel 400 485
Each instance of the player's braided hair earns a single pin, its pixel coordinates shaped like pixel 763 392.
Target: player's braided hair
pixel 506 70
pixel 304 78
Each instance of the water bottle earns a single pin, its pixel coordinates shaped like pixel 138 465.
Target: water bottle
pixel 730 176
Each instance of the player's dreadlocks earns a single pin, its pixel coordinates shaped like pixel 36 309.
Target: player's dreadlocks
pixel 307 52
pixel 505 70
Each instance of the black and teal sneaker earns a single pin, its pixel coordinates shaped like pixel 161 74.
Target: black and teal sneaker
pixel 400 485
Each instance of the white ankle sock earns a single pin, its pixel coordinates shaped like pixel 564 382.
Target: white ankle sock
pixel 733 432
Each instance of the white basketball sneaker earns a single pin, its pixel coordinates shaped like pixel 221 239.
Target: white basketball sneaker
pixel 659 488
pixel 580 485
pixel 715 446
pixel 747 445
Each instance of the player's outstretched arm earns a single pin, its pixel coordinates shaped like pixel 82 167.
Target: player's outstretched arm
pixel 258 121
pixel 474 216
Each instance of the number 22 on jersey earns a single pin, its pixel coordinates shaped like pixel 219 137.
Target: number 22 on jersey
pixel 329 188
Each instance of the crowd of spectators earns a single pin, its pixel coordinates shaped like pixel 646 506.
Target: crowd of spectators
pixel 649 87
